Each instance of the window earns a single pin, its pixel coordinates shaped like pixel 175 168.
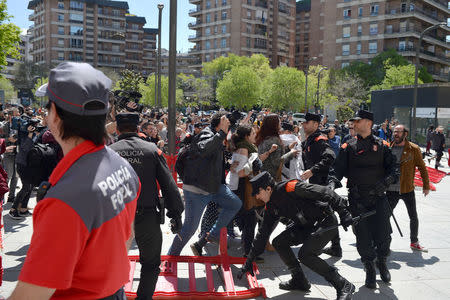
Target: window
pixel 359 29
pixel 207 45
pixel 60 17
pixel 60 29
pixel 116 24
pixel 135 26
pixel 360 11
pixel 116 12
pixel 249 2
pixel 224 2
pixel 76 43
pixel 347 13
pixel 373 29
pixel 346 31
pixel 403 26
pixel 224 28
pixel 249 42
pixel 388 28
pixel 345 64
pixel 208 4
pixel 207 57
pixel 207 31
pixel 76 5
pixel 215 44
pixel 224 15
pixel 60 55
pixel 76 18
pixel 374 10
pixel 76 30
pixel 115 48
pixel 135 37
pixel 60 4
pixel 208 18
pixel 223 43
pixel 61 42
pixel 249 14
pixel 401 46
pixel 345 50
pixel 216 29
pixel 373 47
pixel 358 48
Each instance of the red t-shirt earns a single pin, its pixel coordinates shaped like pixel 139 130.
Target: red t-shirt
pixel 82 225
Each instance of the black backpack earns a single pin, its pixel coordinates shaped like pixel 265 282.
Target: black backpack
pixel 188 151
pixel 41 160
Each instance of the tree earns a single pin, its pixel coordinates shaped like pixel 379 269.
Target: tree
pixel 312 86
pixel 241 88
pixel 147 90
pixel 197 91
pixel 130 81
pixel 8 88
pixel 397 75
pixel 38 83
pixel 9 36
pixel 27 74
pixel 286 89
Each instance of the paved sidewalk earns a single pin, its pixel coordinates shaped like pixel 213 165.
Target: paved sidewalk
pixel 415 275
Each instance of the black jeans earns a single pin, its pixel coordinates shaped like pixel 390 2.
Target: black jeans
pixel 410 202
pixel 119 295
pixel 148 236
pixel 24 194
pixel 311 249
pixel 373 234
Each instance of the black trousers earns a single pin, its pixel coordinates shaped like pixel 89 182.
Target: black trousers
pixel 373 234
pixel 148 236
pixel 311 249
pixel 24 194
pixel 410 202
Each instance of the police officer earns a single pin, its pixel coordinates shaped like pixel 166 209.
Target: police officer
pixel 318 157
pixel 149 163
pixel 370 168
pixel 308 207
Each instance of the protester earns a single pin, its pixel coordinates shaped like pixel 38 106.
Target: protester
pixel 438 145
pixel 334 139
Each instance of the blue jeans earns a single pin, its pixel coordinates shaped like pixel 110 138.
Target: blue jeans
pixel 194 206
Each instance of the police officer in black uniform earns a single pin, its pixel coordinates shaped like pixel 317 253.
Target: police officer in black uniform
pixel 150 165
pixel 370 167
pixel 309 207
pixel 318 157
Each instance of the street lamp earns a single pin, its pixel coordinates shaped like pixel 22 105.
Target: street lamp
pixel 172 75
pixel 306 81
pixel 414 121
pixel 318 87
pixel 160 7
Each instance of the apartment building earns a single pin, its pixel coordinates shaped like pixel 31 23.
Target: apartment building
pixel 244 27
pixel 25 55
pixel 343 31
pixel 99 32
pixel 184 62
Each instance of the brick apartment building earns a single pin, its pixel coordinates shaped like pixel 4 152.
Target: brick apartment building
pixel 25 55
pixel 244 27
pixel 338 32
pixel 99 32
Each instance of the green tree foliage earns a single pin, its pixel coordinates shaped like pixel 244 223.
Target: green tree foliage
pixel 147 90
pixel 241 88
pixel 27 74
pixel 286 90
pixel 8 88
pixel 197 91
pixel 130 81
pixel 397 75
pixel 37 84
pixel 9 36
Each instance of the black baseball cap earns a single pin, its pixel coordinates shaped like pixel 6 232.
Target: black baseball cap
pixel 312 117
pixel 287 126
pixel 362 114
pixel 127 118
pixel 262 180
pixel 72 86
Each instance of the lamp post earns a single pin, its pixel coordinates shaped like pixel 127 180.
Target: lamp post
pixel 414 121
pixel 306 81
pixel 172 75
pixel 160 7
pixel 318 87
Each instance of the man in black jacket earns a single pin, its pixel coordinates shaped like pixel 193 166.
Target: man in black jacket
pixel 309 207
pixel 318 157
pixel 150 165
pixel 438 145
pixel 203 182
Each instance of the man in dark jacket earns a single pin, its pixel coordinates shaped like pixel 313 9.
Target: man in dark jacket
pixel 150 165
pixel 203 182
pixel 309 207
pixel 438 145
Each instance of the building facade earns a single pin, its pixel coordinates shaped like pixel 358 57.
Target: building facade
pixel 244 28
pixel 344 31
pixel 99 32
pixel 184 63
pixel 25 55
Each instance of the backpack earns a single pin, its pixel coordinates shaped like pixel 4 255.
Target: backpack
pixel 41 160
pixel 188 151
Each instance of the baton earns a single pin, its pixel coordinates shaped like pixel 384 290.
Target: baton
pixel 393 217
pixel 355 221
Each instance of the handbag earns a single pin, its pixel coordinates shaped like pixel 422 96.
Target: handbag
pixel 249 200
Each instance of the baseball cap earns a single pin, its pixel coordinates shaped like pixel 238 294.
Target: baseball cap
pixel 73 86
pixel 362 114
pixel 127 118
pixel 312 117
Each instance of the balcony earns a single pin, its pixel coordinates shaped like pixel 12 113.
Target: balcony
pixel 398 12
pixel 195 11
pixel 442 5
pixel 429 37
pixel 195 1
pixel 194 24
pixel 194 37
pixel 424 54
pixel 262 4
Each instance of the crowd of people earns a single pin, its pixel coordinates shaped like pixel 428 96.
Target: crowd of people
pixel 249 171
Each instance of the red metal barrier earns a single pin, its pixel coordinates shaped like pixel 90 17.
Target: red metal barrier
pixel 167 285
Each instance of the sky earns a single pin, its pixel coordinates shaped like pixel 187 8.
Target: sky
pixel 144 8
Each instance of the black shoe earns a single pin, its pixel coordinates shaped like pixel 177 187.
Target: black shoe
pixel 25 213
pixel 15 215
pixel 371 274
pixel 384 271
pixel 196 249
pixel 333 251
pixel 297 282
pixel 258 259
pixel 10 200
pixel 344 288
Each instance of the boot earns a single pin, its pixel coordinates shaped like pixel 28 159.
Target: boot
pixel 333 250
pixel 369 267
pixel 384 272
pixel 344 288
pixel 297 282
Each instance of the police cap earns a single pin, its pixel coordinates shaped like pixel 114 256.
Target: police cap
pixel 287 126
pixel 262 180
pixel 362 114
pixel 312 117
pixel 127 118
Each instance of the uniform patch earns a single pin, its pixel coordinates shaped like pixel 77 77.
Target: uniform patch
pixel 344 145
pixel 159 152
pixel 321 137
pixel 375 148
pixel 290 186
pixel 309 148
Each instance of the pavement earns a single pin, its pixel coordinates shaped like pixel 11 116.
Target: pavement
pixel 415 275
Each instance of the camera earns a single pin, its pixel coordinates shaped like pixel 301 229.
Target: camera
pixel 122 98
pixel 26 122
pixel 233 117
